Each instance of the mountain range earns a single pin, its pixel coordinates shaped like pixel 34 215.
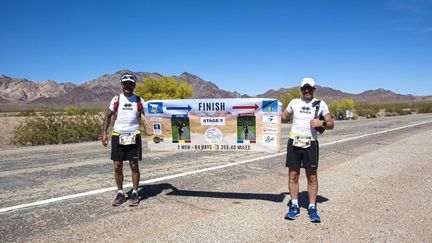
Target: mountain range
pixel 16 92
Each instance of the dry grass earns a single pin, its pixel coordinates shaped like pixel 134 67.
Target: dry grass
pixel 7 125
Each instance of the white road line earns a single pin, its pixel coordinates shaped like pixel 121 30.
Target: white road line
pixel 83 194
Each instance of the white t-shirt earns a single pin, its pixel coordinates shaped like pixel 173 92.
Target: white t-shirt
pixel 127 114
pixel 303 113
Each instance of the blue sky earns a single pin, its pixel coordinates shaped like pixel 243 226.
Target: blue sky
pixel 247 46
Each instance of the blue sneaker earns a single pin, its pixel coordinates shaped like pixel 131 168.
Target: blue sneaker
pixel 293 212
pixel 313 215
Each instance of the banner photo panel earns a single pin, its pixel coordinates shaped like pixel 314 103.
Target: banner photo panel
pixel 242 124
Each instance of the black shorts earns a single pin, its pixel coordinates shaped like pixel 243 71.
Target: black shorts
pixel 126 152
pixel 302 157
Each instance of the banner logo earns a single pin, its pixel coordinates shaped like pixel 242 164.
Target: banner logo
pixel 270 119
pixel 156 128
pixel 157 139
pixel 269 130
pixel 270 106
pixel 269 140
pixel 155 108
pixel 213 135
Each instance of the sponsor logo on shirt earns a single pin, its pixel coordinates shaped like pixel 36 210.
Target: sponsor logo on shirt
pixel 306 110
pixel 127 107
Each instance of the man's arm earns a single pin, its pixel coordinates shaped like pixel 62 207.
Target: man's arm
pixel 105 126
pixel 285 116
pixel 328 123
pixel 142 120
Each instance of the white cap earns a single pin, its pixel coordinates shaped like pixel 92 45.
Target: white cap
pixel 128 77
pixel 309 81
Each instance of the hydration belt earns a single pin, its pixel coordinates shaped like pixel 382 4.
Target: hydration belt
pixel 118 133
pixel 293 135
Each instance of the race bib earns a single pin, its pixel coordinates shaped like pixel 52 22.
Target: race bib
pixel 302 142
pixel 127 138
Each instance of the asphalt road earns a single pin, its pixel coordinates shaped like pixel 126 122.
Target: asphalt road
pixel 238 203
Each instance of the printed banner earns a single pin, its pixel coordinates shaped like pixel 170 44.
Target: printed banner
pixel 251 124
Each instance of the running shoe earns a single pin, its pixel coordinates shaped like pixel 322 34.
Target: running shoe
pixel 293 212
pixel 120 198
pixel 313 215
pixel 134 200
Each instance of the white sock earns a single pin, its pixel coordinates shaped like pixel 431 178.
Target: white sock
pixel 120 191
pixel 134 191
pixel 294 202
pixel 311 205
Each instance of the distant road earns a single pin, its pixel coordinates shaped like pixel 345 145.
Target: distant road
pixel 216 196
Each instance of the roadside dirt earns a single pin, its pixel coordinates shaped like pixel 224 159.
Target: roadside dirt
pixel 7 125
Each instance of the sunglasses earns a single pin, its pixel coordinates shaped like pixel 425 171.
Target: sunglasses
pixel 128 77
pixel 307 87
pixel 128 83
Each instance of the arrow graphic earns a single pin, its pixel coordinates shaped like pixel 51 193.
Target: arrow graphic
pixel 246 107
pixel 179 108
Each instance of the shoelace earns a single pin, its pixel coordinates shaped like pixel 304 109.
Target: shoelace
pixel 312 211
pixel 292 208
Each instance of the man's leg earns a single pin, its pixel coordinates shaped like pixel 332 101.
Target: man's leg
pixel 293 162
pixel 135 173
pixel 118 174
pixel 135 181
pixel 293 184
pixel 312 178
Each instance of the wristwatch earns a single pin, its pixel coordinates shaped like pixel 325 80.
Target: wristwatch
pixel 324 124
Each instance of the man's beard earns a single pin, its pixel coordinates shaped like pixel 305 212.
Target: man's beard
pixel 128 90
pixel 307 97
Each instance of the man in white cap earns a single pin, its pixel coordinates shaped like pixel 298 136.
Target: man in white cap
pixel 302 148
pixel 127 109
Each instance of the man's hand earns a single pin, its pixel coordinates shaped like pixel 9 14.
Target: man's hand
pixel 104 139
pixel 316 123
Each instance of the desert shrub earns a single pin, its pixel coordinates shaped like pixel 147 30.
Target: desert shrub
pixel 163 88
pixel 394 109
pixel 397 109
pixel 404 112
pixel 50 127
pixel 367 110
pixel 424 108
pixel 286 97
pixel 370 115
pixel 74 110
pixel 27 113
pixel 341 106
